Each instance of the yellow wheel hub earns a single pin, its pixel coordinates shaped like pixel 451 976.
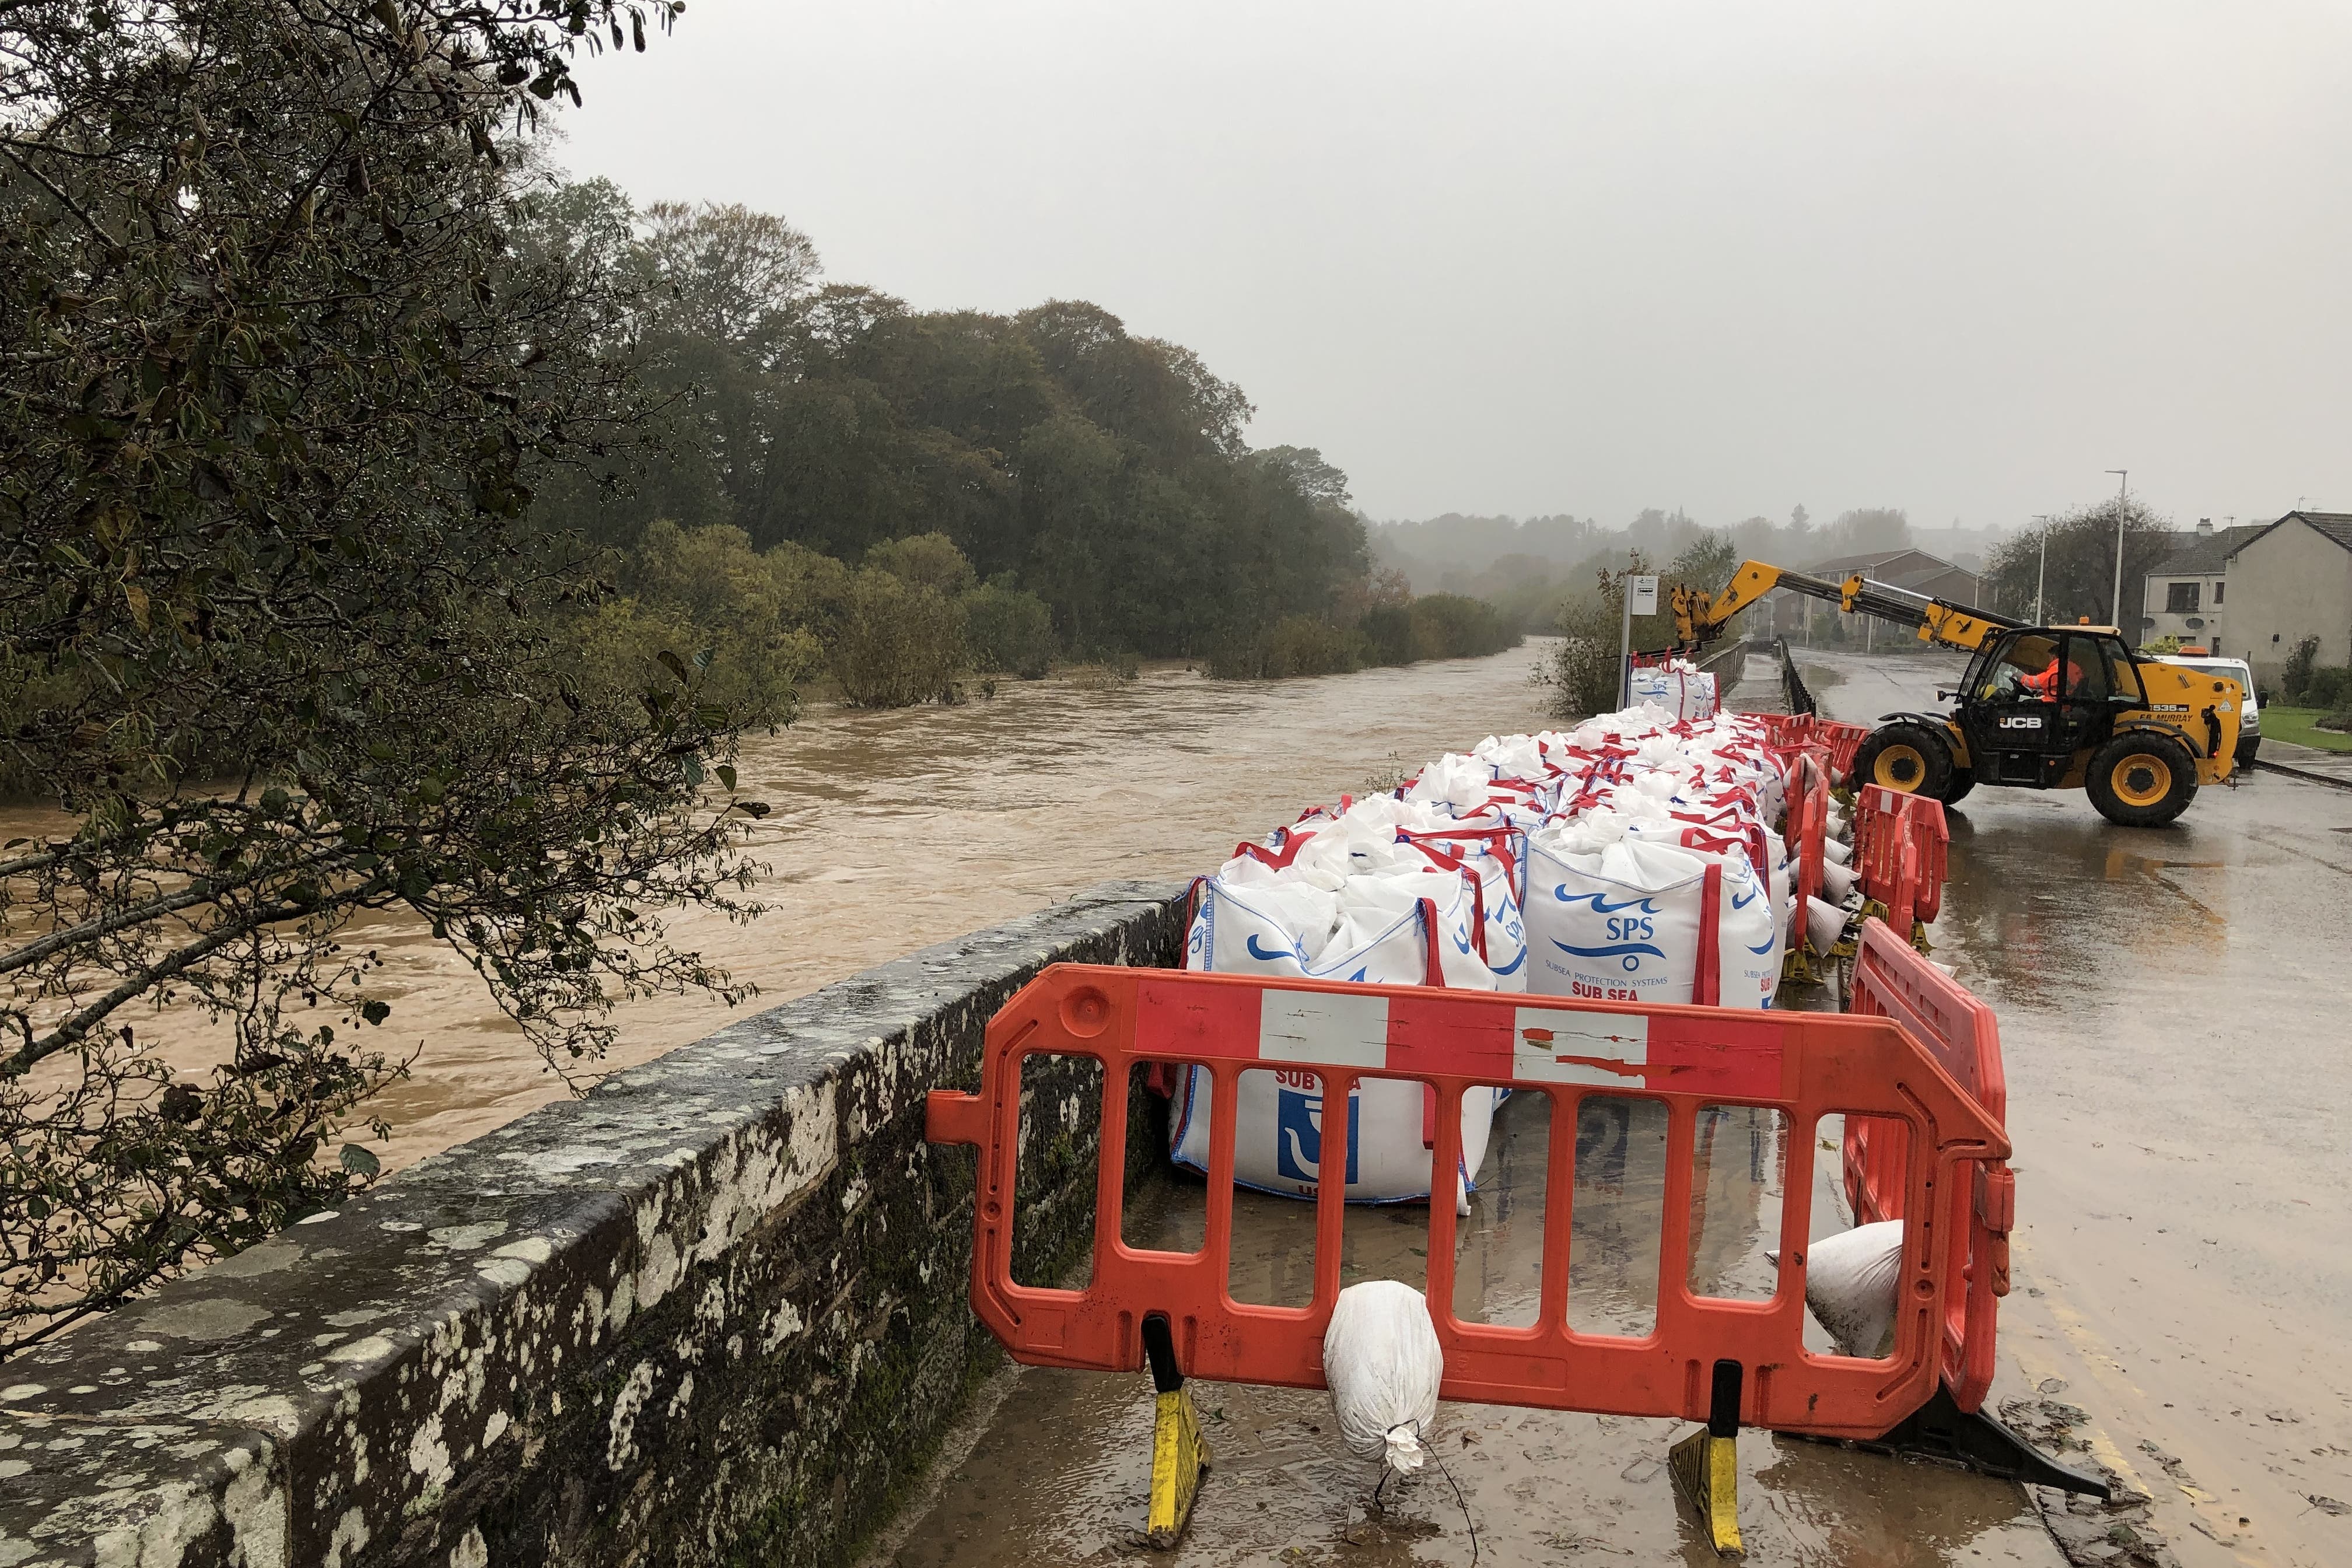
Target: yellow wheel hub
pixel 1899 767
pixel 2141 779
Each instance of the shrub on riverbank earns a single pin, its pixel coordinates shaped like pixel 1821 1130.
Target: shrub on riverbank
pixel 900 643
pixel 1009 631
pixel 1451 625
pixel 1436 626
pixel 1308 645
pixel 1583 673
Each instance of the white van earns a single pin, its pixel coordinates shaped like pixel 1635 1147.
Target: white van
pixel 2249 722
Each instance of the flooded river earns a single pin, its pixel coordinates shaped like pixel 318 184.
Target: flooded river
pixel 892 830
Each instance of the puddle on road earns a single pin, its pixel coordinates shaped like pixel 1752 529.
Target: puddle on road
pixel 1062 1472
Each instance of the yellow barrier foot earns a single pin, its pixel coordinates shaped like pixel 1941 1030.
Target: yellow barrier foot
pixel 1707 1471
pixel 1706 1464
pixel 1179 1453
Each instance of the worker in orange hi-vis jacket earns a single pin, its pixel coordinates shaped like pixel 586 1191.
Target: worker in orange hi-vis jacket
pixel 2045 685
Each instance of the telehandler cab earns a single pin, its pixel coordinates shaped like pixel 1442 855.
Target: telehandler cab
pixel 2039 707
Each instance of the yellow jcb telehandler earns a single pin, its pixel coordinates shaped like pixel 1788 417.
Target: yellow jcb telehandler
pixel 2039 707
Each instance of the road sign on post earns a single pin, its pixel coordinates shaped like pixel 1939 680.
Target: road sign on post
pixel 1641 599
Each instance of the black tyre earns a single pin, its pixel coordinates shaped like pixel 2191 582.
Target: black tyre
pixel 1910 759
pixel 1963 780
pixel 2141 779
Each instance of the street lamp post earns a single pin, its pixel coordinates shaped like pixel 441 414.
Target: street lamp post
pixel 2041 578
pixel 2122 488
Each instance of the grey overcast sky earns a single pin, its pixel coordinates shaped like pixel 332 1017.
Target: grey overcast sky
pixel 1558 256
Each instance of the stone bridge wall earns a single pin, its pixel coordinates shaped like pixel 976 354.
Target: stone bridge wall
pixel 713 1312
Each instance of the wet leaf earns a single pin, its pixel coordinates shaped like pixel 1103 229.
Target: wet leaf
pixel 360 1163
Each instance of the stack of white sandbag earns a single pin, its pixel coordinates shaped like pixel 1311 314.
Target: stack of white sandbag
pixel 1831 911
pixel 1635 857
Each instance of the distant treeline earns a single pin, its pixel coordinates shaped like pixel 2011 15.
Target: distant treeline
pixel 1529 568
pixel 839 484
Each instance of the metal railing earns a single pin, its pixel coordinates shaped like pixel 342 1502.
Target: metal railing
pixel 1800 700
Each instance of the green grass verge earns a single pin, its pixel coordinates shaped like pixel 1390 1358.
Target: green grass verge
pixel 2300 727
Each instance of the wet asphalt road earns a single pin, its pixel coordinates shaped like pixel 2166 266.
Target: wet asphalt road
pixel 2173 1012
pixel 2180 1100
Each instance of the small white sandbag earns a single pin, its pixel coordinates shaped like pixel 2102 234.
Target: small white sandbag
pixel 1824 923
pixel 1850 1284
pixel 1837 880
pixel 1383 1364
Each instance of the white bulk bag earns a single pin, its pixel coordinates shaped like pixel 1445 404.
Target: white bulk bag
pixel 1493 859
pixel 1383 1364
pixel 1624 925
pixel 1278 1134
pixel 1375 931
pixel 1274 926
pixel 1685 694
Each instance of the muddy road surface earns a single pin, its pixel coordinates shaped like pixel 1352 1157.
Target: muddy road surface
pixel 1058 1470
pixel 2173 1008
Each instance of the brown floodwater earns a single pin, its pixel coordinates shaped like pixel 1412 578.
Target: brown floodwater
pixel 892 830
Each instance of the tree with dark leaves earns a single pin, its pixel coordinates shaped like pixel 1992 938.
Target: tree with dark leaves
pixel 276 378
pixel 2080 571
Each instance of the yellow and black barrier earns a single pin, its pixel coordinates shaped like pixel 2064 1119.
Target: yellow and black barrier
pixel 1707 1464
pixel 1179 1453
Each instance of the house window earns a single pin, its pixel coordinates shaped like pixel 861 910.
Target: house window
pixel 2217 593
pixel 2181 599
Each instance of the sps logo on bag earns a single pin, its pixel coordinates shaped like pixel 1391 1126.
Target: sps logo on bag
pixel 2020 721
pixel 1299 1134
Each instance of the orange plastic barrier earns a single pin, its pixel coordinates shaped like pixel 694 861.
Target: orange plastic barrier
pixel 1902 847
pixel 1878 842
pixel 1892 981
pixel 1807 823
pixel 1838 743
pixel 1785 731
pixel 1932 836
pixel 1842 741
pixel 1805 1065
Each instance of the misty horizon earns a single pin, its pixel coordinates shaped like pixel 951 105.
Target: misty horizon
pixel 1528 261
